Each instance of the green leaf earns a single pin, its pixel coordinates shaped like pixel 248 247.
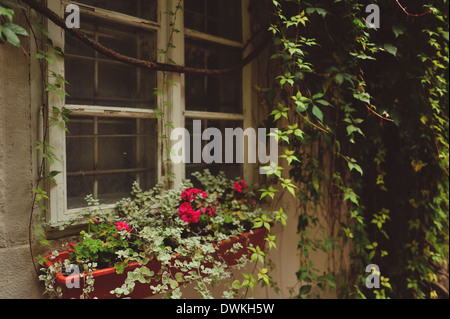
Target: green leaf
pixel 317 96
pixel 323 102
pixel 317 113
pixel 10 36
pixel 356 167
pixel 236 284
pixel 16 29
pixel 398 30
pixel 179 276
pixel 6 12
pixel 305 289
pixel 301 107
pixel 390 48
pixel 173 283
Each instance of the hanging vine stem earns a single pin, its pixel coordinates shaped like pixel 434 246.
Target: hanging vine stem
pixel 410 14
pixel 41 169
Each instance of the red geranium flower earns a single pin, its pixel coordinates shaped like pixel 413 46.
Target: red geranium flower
pixel 190 194
pixel 122 225
pixel 239 186
pixel 211 210
pixel 188 214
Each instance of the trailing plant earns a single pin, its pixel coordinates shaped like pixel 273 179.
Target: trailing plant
pixel 160 224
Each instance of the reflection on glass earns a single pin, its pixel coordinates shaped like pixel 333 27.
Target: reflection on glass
pixel 95 79
pixel 231 170
pixel 106 155
pixel 144 9
pixel 211 93
pixel 219 18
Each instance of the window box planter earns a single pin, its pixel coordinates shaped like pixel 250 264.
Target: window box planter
pixel 107 279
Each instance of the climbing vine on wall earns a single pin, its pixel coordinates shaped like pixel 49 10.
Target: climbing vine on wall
pixel 363 118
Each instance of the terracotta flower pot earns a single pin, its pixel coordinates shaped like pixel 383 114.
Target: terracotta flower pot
pixel 107 279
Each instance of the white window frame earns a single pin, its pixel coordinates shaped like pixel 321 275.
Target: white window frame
pixel 173 94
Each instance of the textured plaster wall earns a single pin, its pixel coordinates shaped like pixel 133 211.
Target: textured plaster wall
pixel 18 277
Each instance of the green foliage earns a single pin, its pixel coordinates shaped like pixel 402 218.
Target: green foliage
pixel 150 225
pixel 9 31
pixel 374 106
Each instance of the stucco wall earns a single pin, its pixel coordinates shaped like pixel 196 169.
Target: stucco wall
pixel 18 277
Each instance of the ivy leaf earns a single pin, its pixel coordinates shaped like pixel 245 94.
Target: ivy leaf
pixel 305 289
pixel 323 102
pixel 16 29
pixel 11 32
pixel 317 113
pixel 317 96
pixel 356 167
pixel 398 30
pixel 392 49
pixel 301 107
pixel 10 36
pixel 7 12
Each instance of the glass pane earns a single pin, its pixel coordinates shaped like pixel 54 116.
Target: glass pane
pixel 80 145
pixel 217 17
pixel 80 75
pixel 112 188
pixel 209 93
pixel 144 9
pixel 78 187
pixel 106 155
pixel 75 46
pixel 116 84
pixel 231 170
pixel 95 79
pixel 116 153
pixel 116 126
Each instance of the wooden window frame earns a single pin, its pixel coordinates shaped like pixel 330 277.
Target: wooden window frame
pixel 174 94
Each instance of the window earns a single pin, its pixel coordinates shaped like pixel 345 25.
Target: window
pixel 113 139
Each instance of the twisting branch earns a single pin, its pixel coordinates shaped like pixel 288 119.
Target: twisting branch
pixel 380 116
pixel 156 66
pixel 410 14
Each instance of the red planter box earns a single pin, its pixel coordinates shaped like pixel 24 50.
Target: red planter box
pixel 107 279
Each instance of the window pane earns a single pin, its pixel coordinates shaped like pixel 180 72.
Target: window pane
pixel 217 17
pixel 95 79
pixel 112 188
pixel 210 93
pixel 144 9
pixel 80 187
pixel 106 155
pixel 231 170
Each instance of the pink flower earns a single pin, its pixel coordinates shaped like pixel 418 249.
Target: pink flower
pixel 122 225
pixel 71 245
pixel 239 186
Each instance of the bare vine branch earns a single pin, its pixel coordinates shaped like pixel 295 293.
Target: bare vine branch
pixel 156 66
